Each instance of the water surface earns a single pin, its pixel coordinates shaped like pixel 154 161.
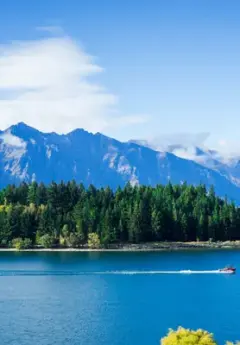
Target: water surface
pixel 90 298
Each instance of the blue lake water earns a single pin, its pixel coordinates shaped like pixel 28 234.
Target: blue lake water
pixel 86 298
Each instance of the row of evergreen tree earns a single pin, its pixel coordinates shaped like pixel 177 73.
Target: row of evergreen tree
pixel 66 213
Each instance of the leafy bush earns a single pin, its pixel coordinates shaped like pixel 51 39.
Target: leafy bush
pixel 93 240
pixel 75 240
pixel 62 241
pixel 20 243
pixel 46 241
pixel 184 336
pixel 17 243
pixel 27 243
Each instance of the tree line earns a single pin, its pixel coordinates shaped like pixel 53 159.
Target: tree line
pixel 68 214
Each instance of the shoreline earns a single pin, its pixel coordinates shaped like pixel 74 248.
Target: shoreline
pixel 143 247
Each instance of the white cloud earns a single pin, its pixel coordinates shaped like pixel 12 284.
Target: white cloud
pixel 187 153
pixel 195 146
pixel 11 140
pixel 47 84
pixel 184 142
pixel 228 148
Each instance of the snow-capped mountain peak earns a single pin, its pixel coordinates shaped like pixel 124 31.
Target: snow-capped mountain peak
pixel 27 154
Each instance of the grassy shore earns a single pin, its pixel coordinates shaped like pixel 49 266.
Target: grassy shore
pixel 153 246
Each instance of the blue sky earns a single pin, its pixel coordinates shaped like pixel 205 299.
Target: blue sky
pixel 169 66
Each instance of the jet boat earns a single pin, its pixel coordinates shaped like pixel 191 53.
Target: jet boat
pixel 228 269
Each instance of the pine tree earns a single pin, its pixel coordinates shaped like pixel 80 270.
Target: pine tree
pixel 132 214
pixel 157 225
pixel 32 193
pixel 41 195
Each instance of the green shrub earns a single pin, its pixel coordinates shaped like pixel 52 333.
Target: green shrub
pixel 75 240
pixel 17 243
pixel 93 240
pixel 46 241
pixel 20 243
pixel 184 336
pixel 27 243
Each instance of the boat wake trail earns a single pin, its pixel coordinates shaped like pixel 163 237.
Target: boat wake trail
pixel 5 273
pixel 161 272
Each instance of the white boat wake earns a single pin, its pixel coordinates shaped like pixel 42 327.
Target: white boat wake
pixel 164 272
pixel 121 272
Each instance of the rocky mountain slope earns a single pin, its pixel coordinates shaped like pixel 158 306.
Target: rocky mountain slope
pixel 27 154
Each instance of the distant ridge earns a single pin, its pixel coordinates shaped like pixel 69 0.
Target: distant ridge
pixel 27 154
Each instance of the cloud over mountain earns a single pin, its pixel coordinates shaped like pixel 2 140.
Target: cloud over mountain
pixel 48 83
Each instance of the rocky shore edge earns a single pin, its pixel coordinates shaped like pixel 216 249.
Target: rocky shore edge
pixel 153 246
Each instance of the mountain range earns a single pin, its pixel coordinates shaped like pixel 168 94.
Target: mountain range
pixel 27 154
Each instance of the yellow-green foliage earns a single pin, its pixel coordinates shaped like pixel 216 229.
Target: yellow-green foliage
pixel 2 208
pixel 17 243
pixel 184 336
pixel 62 240
pixel 93 240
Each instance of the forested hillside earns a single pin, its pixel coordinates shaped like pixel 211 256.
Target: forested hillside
pixel 65 214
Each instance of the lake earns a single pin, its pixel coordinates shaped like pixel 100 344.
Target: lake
pixel 82 298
